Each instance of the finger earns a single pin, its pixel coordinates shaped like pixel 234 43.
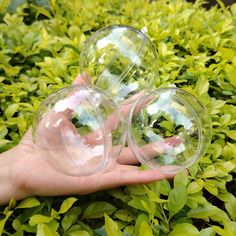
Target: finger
pixel 127 157
pixel 130 175
pixel 113 120
pixel 83 79
pixel 128 104
pixel 154 149
pixel 149 150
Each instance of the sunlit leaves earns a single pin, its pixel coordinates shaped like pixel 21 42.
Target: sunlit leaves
pixel 44 230
pixel 184 230
pixel 111 227
pixel 70 218
pixel 230 206
pixel 145 229
pixel 97 210
pixel 39 53
pixel 66 205
pixel 177 199
pixel 28 203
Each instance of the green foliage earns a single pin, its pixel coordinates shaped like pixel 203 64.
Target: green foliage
pixel 40 43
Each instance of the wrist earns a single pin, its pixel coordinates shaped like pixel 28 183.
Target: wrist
pixel 10 187
pixel 5 178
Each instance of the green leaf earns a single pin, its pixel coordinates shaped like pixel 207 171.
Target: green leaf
pixel 128 230
pixel 184 229
pixel 202 86
pixel 209 172
pixel 229 150
pixel 140 219
pixel 4 220
pixel 203 212
pixel 191 202
pixel 45 230
pixel 10 111
pixel 145 229
pixel 193 170
pixel 28 203
pixel 40 43
pixel 12 203
pixel 230 227
pixel 227 53
pixel 181 179
pixel 3 132
pixel 233 9
pixel 38 219
pixel 97 210
pixel 195 186
pixel 41 10
pixel 219 230
pixel 16 225
pixel 230 206
pixel 71 217
pixel 207 232
pixel 53 224
pixel 79 233
pixel 124 215
pixel 137 189
pixel 165 187
pixel 66 205
pixel 111 227
pixel 3 142
pixel 120 194
pixel 177 199
pixel 136 203
pixel 210 186
pixel 231 134
pixel 220 217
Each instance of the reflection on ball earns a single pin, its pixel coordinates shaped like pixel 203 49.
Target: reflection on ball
pixel 71 130
pixel 169 129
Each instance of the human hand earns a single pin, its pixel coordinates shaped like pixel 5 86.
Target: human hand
pixel 29 174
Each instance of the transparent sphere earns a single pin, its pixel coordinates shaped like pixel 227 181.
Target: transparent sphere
pixel 79 130
pixel 168 129
pixel 120 60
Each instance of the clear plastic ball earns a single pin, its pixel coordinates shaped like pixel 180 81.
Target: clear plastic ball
pixel 120 60
pixel 168 129
pixel 79 130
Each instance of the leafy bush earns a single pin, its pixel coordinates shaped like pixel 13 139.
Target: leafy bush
pixel 40 44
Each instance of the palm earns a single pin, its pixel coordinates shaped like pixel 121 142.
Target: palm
pixel 39 178
pixel 32 175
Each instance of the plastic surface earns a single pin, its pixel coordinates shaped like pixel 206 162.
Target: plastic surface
pixel 79 130
pixel 168 129
pixel 120 60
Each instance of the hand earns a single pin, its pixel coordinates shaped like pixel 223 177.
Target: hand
pixel 29 174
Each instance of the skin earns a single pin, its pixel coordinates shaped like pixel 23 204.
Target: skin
pixel 24 172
